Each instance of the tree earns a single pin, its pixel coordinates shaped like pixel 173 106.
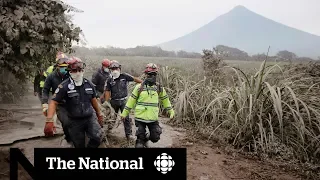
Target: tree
pixel 31 32
pixel 287 55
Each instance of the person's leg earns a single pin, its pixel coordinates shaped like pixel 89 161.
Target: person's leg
pixel 40 96
pixel 77 132
pixel 141 134
pixel 155 131
pixel 127 123
pixel 62 115
pixel 94 132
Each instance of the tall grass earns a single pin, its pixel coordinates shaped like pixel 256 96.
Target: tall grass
pixel 267 109
pixel 272 111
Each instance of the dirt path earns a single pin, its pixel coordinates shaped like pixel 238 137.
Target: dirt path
pixel 204 162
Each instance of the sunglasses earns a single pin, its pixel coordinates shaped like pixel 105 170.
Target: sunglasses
pixel 76 70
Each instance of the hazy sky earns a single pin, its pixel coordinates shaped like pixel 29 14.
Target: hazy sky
pixel 128 23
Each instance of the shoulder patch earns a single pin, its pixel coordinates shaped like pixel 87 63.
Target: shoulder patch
pixel 56 91
pixel 71 86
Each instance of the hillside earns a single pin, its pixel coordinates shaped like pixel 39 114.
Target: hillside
pixel 250 32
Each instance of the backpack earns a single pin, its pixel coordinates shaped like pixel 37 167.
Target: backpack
pixel 159 88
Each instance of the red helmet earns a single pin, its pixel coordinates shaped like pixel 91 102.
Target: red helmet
pixel 151 68
pixel 114 64
pixel 106 62
pixel 75 63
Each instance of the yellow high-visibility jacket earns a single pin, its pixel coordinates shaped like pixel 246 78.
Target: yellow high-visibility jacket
pixel 46 74
pixel 146 103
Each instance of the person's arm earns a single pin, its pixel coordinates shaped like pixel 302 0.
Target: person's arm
pixel 95 105
pixel 52 109
pixel 57 97
pixel 36 83
pixel 163 96
pixel 137 80
pixel 46 89
pixel 131 102
pixel 95 79
pixel 107 89
pixel 107 95
pixel 130 78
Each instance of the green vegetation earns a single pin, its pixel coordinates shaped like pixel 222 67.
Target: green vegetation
pixel 31 33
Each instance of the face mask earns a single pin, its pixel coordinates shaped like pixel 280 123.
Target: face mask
pixel 77 78
pixel 106 70
pixel 62 70
pixel 151 80
pixel 115 74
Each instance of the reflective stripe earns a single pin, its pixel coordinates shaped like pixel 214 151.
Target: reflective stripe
pixel 144 120
pixel 127 108
pixel 168 108
pixel 147 104
pixel 164 97
pixel 41 84
pixel 119 99
pixel 153 88
pixel 133 96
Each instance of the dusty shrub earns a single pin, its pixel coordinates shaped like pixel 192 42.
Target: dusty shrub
pixel 11 89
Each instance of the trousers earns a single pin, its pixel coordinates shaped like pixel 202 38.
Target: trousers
pixel 119 105
pixel 79 128
pixel 154 129
pixel 62 115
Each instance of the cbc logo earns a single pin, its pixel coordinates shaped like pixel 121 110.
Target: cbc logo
pixel 164 163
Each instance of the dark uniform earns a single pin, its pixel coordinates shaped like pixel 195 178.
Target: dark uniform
pixel 80 112
pixel 119 92
pixel 53 81
pixel 98 79
pixel 37 87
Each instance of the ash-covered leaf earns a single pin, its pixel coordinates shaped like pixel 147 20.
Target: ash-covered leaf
pixel 18 13
pixel 16 68
pixel 23 48
pixel 31 51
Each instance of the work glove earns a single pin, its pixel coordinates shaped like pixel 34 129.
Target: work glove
pixel 171 112
pixel 45 109
pixel 49 127
pixel 100 119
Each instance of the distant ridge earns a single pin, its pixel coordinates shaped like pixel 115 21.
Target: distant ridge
pixel 250 32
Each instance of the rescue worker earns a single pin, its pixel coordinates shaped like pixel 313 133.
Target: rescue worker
pixel 51 83
pixel 38 84
pixel 79 96
pixel 100 77
pixel 51 68
pixel 145 98
pixel 116 89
